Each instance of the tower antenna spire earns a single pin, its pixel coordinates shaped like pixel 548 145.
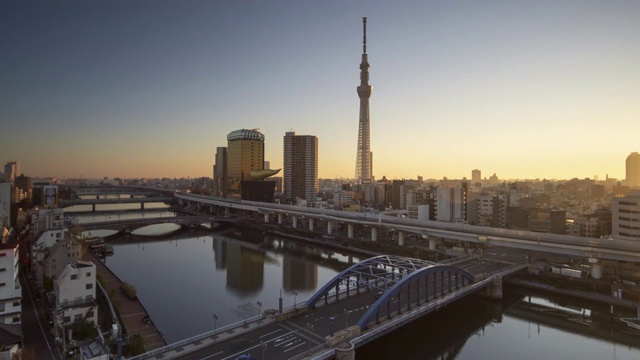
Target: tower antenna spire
pixel 364 35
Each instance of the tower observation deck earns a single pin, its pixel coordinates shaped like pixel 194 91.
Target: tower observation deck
pixel 364 161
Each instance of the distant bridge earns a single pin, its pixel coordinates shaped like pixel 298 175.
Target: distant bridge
pixel 132 224
pixel 94 202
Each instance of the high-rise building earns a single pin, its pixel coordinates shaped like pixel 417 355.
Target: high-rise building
pixel 364 157
pixel 11 170
pixel 476 176
pixel 220 172
pixel 633 169
pixel 23 183
pixel 300 167
pixel 245 153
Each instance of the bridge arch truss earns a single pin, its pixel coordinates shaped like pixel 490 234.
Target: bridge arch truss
pixel 379 273
pixel 419 286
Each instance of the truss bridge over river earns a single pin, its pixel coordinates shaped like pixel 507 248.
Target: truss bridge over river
pixel 360 304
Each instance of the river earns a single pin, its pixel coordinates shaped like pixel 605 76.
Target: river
pixel 184 279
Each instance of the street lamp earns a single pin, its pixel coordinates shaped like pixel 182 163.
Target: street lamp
pixel 346 319
pixel 259 306
pixel 264 347
pixel 331 319
pixel 294 299
pixel 215 326
pixel 310 326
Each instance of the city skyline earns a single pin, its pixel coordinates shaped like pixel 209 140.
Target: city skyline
pixel 150 89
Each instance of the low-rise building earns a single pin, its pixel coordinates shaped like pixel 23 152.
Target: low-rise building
pixel 10 290
pixel 75 293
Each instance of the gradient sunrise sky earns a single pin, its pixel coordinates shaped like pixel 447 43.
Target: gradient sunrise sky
pixel 523 89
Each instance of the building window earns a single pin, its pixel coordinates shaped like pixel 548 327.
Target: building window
pixel 77 318
pixel 3 284
pixel 88 274
pixel 66 319
pixel 16 319
pixel 89 286
pixel 3 269
pixel 16 303
pixel 74 276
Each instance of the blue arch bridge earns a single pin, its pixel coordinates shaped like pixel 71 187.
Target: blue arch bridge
pixel 409 282
pixel 364 302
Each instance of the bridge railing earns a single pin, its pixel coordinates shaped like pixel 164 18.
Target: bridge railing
pixel 197 338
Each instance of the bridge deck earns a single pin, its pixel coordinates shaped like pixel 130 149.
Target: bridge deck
pixel 306 331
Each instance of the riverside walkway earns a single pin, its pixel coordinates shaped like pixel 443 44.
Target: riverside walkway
pixel 132 313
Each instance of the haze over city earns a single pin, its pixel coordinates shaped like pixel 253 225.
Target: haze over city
pixel 544 89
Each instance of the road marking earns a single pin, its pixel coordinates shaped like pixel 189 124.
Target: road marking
pixel 295 346
pixel 273 332
pixel 210 356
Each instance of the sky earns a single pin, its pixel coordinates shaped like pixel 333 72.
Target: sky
pixel 522 89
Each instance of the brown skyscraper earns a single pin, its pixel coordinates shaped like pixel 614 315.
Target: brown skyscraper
pixel 245 152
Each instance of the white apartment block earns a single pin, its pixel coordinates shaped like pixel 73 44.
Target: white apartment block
pixel 10 291
pixel 75 293
pixel 625 216
pixel 450 204
pixel 342 198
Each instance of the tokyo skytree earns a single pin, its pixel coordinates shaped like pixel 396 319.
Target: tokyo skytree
pixel 364 161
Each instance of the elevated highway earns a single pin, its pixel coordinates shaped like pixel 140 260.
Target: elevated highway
pixel 614 249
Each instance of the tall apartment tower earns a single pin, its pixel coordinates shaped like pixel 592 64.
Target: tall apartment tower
pixel 364 158
pixel 633 169
pixel 245 152
pixel 300 167
pixel 220 172
pixel 11 170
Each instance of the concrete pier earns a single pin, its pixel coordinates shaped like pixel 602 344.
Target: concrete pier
pixel 494 290
pixel 345 351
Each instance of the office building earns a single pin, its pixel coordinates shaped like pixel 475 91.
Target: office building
pixel 300 167
pixel 245 153
pixel 476 176
pixel 364 157
pixel 633 169
pixel 625 216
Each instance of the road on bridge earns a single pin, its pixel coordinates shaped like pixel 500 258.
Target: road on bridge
pixel 299 335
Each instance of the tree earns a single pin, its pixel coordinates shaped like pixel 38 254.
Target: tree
pixel 136 345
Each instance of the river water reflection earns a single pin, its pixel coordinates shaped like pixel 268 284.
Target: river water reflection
pixel 184 279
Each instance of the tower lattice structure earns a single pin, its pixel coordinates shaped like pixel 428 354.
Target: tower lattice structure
pixel 364 161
